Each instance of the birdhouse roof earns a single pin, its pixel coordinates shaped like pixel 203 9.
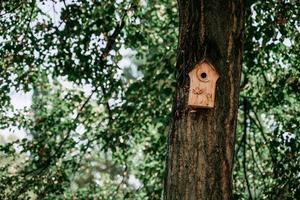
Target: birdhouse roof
pixel 200 64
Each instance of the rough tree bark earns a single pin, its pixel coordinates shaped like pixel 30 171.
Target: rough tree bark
pixel 201 143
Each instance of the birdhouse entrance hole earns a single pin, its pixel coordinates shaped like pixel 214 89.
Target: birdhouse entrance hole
pixel 203 75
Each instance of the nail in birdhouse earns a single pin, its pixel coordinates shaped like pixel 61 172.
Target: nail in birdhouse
pixel 202 90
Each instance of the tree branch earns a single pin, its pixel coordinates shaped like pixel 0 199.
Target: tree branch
pixel 112 39
pixel 259 125
pixel 110 115
pixel 257 166
pixel 77 117
pixel 11 10
pixel 125 174
pixel 244 149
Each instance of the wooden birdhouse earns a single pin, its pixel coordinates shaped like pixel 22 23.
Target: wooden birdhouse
pixel 202 90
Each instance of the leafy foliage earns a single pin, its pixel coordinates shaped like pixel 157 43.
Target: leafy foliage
pixel 101 78
pixel 267 150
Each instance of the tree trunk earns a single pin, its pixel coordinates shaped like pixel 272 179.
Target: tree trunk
pixel 201 141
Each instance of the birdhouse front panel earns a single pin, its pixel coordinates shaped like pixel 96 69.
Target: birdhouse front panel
pixel 202 90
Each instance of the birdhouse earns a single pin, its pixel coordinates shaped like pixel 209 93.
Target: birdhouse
pixel 202 90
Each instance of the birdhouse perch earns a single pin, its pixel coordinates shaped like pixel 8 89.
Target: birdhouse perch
pixel 202 90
